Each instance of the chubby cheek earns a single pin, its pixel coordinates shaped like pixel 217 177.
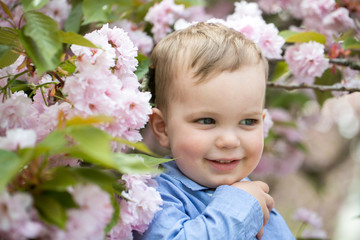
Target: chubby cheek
pixel 187 147
pixel 255 147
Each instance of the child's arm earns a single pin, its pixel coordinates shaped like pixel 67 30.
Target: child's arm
pixel 230 214
pixel 260 191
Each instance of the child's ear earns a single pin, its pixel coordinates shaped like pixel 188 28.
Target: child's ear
pixel 264 115
pixel 158 125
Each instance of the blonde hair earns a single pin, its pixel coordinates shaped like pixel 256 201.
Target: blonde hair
pixel 207 49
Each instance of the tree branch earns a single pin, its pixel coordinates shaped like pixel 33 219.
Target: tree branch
pixel 346 63
pixel 322 88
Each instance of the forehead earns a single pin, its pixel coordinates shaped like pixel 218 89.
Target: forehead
pixel 244 85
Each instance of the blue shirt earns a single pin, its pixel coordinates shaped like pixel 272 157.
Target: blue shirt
pixel 191 211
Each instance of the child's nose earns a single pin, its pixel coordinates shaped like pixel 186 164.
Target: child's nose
pixel 227 139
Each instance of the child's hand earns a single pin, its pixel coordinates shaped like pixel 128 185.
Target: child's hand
pixel 260 191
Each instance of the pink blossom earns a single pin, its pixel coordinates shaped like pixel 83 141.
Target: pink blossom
pixel 141 201
pixel 318 8
pixel 196 13
pixel 314 234
pixel 264 35
pixel 270 42
pixel 89 221
pixel 268 123
pixel 282 159
pixel 309 217
pixel 109 87
pixel 18 138
pixel 270 6
pixel 49 118
pixel 162 15
pixel 93 93
pixel 16 210
pixel 58 10
pixel 306 61
pixel 102 57
pixel 141 40
pixel 125 51
pixel 10 70
pixel 244 8
pixel 250 26
pixel 338 20
pixel 17 112
pixel 17 11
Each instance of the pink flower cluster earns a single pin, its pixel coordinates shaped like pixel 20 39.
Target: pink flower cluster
pixel 106 84
pixel 141 40
pixel 313 220
pixel 18 217
pixel 162 16
pixel 87 222
pixel 306 61
pixel 281 156
pixel 137 206
pixel 58 10
pixel 247 19
pixel 321 15
pixel 18 138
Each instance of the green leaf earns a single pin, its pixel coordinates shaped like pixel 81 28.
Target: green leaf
pixel 351 43
pixel 152 161
pixel 189 3
pixel 73 22
pixel 89 120
pixel 54 143
pixel 41 41
pixel 96 11
pixel 93 144
pixel 10 166
pixel 32 5
pixel 142 68
pixel 7 56
pixel 103 179
pixel 138 146
pixel 281 69
pixel 295 37
pixel 115 216
pixel 6 10
pixel 68 66
pixel 61 179
pixel 284 99
pixel 328 78
pixel 63 197
pixel 133 163
pixel 8 37
pixel 50 210
pixel 8 41
pixel 77 39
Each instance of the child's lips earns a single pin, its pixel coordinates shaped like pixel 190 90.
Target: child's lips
pixel 224 164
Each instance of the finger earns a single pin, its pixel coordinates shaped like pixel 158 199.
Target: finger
pixel 260 233
pixel 270 203
pixel 266 216
pixel 263 186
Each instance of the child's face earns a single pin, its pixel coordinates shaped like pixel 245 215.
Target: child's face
pixel 214 129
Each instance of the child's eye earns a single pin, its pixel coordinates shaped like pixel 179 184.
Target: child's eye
pixel 249 122
pixel 206 121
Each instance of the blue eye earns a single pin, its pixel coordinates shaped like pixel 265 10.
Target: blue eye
pixel 249 122
pixel 206 121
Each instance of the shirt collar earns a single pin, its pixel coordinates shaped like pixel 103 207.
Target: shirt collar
pixel 174 171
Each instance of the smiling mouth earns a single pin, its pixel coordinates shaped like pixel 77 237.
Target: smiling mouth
pixel 224 165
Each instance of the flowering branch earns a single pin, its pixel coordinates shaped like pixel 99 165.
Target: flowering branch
pixel 346 63
pixel 322 88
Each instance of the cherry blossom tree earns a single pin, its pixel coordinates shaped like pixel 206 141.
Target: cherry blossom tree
pixel 75 95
